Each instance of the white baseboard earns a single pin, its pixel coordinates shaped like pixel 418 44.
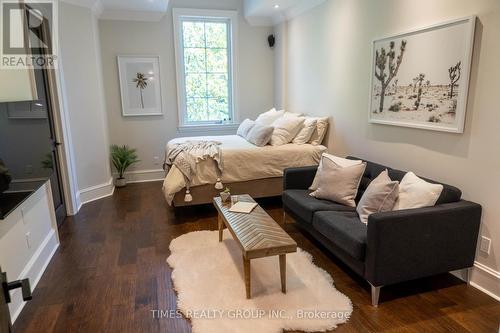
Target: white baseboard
pixel 34 268
pixel 486 279
pixel 97 192
pixel 143 176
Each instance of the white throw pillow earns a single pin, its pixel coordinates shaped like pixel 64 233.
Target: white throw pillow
pixel 260 135
pixel 285 129
pixel 306 131
pixel 343 162
pixel 267 118
pixel 414 192
pixel 339 184
pixel 380 196
pixel 245 127
pixel 293 114
pixel 320 132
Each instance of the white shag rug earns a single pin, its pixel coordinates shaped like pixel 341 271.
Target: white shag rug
pixel 208 278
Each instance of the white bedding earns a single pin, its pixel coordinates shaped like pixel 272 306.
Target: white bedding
pixel 242 161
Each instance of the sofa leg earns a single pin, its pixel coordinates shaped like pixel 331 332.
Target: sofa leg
pixel 375 295
pixel 284 217
pixel 468 275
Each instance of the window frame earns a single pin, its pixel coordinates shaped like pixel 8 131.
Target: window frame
pixel 185 14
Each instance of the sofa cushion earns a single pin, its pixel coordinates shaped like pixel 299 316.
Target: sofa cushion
pixel 300 203
pixel 344 229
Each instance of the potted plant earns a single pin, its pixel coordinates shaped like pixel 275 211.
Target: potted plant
pixel 226 194
pixel 122 157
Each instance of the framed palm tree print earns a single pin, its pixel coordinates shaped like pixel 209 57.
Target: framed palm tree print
pixel 140 85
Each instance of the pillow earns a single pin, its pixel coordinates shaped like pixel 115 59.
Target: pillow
pixel 267 118
pixel 319 134
pixel 306 131
pixel 414 192
pixel 337 183
pixel 285 129
pixel 260 135
pixel 343 162
pixel 245 127
pixel 379 196
pixel 293 114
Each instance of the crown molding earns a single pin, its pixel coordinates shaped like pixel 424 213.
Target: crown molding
pixel 131 15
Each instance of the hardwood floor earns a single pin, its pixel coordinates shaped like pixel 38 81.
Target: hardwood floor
pixel 110 273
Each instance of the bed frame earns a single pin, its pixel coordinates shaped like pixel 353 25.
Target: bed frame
pixel 258 188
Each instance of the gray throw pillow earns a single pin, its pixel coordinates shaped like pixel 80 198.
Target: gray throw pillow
pixel 380 196
pixel 339 184
pixel 245 127
pixel 260 135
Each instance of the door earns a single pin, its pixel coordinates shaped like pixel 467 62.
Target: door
pixel 55 179
pixel 42 31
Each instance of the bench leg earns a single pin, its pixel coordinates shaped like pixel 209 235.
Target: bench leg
pixel 246 268
pixel 283 272
pixel 221 226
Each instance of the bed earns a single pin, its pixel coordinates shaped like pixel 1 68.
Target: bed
pixel 257 171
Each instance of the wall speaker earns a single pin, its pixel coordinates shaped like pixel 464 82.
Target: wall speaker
pixel 271 40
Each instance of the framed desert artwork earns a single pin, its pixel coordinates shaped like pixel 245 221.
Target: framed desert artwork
pixel 421 78
pixel 140 85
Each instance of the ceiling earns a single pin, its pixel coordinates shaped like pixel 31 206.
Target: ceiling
pixel 257 12
pixel 270 12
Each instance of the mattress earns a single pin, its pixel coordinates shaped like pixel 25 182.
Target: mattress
pixel 242 161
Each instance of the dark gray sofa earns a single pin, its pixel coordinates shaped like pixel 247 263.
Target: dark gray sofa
pixel 395 246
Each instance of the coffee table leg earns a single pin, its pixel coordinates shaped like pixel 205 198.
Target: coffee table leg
pixel 221 226
pixel 246 267
pixel 283 272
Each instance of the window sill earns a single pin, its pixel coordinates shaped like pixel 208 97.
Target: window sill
pixel 215 128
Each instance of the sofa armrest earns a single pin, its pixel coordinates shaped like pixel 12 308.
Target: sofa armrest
pixel 408 244
pixel 299 178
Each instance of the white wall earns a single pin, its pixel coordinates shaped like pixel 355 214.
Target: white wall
pixel 328 73
pixel 150 134
pixel 83 99
pixel 280 65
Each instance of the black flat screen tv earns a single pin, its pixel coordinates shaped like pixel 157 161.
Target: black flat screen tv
pixel 25 148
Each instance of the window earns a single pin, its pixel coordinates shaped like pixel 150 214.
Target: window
pixel 205 62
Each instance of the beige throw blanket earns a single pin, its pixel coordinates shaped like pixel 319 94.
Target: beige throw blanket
pixel 186 155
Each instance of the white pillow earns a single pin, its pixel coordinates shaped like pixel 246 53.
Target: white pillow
pixel 306 131
pixel 339 184
pixel 415 192
pixel 260 135
pixel 285 129
pixel 319 134
pixel 342 162
pixel 380 196
pixel 245 127
pixel 293 114
pixel 267 118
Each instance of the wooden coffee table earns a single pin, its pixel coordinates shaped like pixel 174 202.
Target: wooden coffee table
pixel 258 236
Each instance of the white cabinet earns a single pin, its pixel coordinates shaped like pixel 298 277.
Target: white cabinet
pixel 28 240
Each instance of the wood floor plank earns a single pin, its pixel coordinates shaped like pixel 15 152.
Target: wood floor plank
pixel 110 273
